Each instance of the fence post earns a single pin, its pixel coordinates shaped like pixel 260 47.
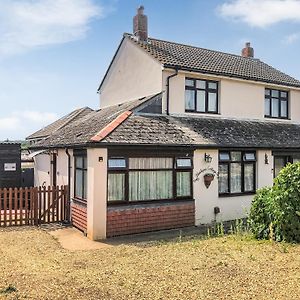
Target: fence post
pixel 35 206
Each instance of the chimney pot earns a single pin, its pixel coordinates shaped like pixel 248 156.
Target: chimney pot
pixel 248 51
pixel 140 25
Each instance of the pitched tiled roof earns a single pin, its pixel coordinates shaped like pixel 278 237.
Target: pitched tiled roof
pixel 71 117
pixel 163 130
pixel 205 132
pixel 213 62
pixel 84 129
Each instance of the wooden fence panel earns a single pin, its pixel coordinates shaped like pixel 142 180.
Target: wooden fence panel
pixel 33 206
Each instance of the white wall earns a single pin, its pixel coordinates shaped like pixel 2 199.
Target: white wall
pixel 62 167
pixel 42 169
pixel 133 74
pixel 237 98
pixel 231 207
pixel 96 193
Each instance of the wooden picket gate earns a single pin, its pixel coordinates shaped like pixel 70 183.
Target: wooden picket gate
pixel 33 206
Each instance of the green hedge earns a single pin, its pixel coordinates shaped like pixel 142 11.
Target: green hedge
pixel 275 212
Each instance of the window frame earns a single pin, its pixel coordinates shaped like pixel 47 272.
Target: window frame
pixel 280 99
pixel 83 155
pixel 243 163
pixel 207 90
pixel 174 170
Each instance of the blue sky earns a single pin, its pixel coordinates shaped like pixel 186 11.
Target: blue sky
pixel 54 53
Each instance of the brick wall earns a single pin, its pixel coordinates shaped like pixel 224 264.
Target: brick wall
pixel 123 220
pixel 79 216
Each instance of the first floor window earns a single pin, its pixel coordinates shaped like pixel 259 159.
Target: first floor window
pixel 201 96
pixel 81 177
pixel 136 179
pixel 276 104
pixel 236 172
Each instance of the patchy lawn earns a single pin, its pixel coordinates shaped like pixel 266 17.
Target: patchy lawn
pixel 34 266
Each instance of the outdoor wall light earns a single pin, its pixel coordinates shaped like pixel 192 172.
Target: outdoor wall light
pixel 100 159
pixel 207 158
pixel 266 159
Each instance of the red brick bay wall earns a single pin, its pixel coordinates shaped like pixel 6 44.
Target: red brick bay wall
pixel 127 219
pixel 79 216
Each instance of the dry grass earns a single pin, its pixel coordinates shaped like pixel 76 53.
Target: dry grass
pixel 34 266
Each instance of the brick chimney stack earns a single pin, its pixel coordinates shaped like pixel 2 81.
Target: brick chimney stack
pixel 248 51
pixel 140 25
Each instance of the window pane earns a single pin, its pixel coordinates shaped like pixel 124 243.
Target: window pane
pixel 201 101
pixel 235 178
pixel 189 100
pixel 283 94
pixel 84 184
pixel 78 184
pixel 249 156
pixel 212 102
pixel 184 162
pixel 117 163
pixel 85 162
pixel 249 177
pixel 275 93
pixel 116 187
pixel 189 82
pixel 267 92
pixel 200 84
pixel 150 185
pixel 236 156
pixel 267 107
pixel 212 85
pixel 223 179
pixel 283 107
pixel 79 161
pixel 183 184
pixel 224 156
pixel 275 107
pixel 141 163
pixel 279 163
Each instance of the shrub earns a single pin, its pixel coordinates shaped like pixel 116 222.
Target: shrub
pixel 261 217
pixel 275 212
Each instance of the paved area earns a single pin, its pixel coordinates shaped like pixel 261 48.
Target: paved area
pixel 72 239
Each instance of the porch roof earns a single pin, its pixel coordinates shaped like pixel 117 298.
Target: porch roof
pixel 162 130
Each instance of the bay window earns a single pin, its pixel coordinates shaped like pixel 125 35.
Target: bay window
pixel 237 172
pixel 135 179
pixel 201 96
pixel 276 104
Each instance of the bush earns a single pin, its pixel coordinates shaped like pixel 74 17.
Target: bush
pixel 275 212
pixel 260 214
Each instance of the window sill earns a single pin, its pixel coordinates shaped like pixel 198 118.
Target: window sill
pixel 201 112
pixel 276 118
pixel 79 201
pixel 237 194
pixel 136 203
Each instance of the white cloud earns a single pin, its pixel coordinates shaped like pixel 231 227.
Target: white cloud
pixel 261 13
pixel 27 24
pixel 18 120
pixel 9 123
pixel 291 38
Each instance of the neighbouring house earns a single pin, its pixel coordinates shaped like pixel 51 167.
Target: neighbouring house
pixel 184 136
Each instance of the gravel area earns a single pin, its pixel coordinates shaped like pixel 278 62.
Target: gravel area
pixel 35 266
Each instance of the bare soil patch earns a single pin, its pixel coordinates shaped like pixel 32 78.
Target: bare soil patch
pixel 35 266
